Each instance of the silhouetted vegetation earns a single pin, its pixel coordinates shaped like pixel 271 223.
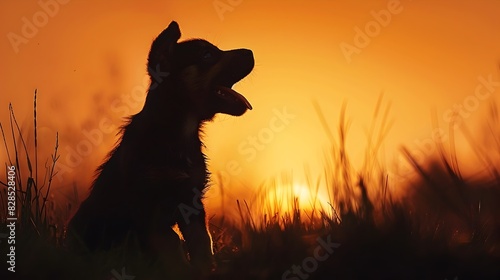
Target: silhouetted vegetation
pixel 446 226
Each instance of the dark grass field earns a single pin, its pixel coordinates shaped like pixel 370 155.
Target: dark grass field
pixel 446 226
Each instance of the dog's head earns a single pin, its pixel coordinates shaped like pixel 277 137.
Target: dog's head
pixel 201 73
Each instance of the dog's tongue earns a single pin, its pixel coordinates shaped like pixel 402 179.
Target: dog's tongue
pixel 232 96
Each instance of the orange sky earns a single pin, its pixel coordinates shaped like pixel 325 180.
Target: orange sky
pixel 85 56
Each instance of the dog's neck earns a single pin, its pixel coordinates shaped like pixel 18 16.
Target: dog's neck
pixel 171 117
pixel 190 127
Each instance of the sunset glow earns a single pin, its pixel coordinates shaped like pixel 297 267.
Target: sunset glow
pixel 282 199
pixel 327 140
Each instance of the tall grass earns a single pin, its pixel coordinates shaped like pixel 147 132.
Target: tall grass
pixel 32 194
pixel 464 208
pixel 445 217
pixel 446 226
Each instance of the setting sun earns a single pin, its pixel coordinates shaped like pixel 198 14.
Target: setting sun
pixel 284 198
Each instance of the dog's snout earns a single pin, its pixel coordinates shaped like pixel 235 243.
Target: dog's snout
pixel 243 61
pixel 247 55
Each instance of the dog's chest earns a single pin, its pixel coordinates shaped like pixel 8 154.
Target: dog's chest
pixel 180 166
pixel 196 168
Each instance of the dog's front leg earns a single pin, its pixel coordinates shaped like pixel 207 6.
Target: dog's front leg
pixel 198 241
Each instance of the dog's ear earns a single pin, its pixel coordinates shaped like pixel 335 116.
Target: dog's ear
pixel 162 48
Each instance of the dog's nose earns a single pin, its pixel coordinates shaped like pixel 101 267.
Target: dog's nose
pixel 245 58
pixel 239 62
pixel 246 52
pixel 242 53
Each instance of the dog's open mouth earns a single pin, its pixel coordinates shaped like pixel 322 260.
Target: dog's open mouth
pixel 230 102
pixel 236 66
pixel 231 96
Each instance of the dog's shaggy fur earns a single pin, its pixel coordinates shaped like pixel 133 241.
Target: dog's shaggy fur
pixel 155 175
